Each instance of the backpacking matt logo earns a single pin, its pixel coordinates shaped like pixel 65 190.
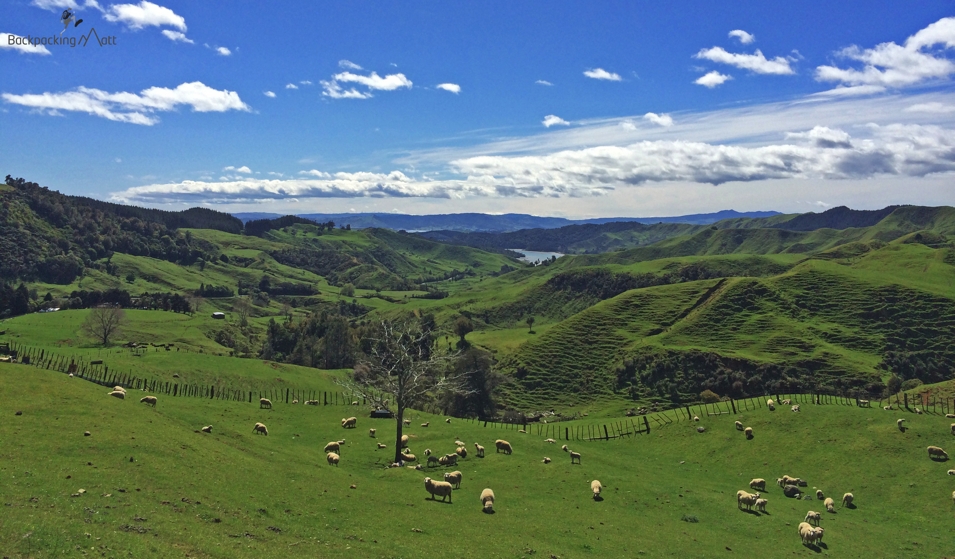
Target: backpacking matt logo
pixel 66 18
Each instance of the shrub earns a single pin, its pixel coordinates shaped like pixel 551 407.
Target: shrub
pixel 911 383
pixel 709 397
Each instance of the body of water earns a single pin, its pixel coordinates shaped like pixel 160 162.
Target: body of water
pixel 535 256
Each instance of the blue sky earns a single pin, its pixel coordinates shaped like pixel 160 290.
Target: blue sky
pixel 575 109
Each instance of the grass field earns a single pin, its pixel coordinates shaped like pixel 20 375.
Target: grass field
pixel 155 487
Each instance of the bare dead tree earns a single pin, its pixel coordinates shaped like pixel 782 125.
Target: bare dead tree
pixel 103 323
pixel 401 363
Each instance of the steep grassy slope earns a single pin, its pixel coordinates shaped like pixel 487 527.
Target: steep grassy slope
pixel 154 487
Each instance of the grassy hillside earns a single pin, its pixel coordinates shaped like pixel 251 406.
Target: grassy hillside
pixel 153 486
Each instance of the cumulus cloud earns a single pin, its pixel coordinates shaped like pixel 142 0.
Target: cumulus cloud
pixel 452 87
pixel 543 82
pixel 744 37
pixel 244 169
pixel 291 86
pixel 601 74
pixel 269 94
pixel 390 82
pixel 177 36
pixel 660 120
pixel 921 58
pixel 824 137
pixel 756 62
pixel 554 120
pixel 56 5
pixel 131 107
pixel 222 51
pixel 21 45
pixel 144 14
pixel 349 65
pixel 713 79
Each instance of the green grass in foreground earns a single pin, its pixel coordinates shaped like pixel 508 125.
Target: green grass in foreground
pixel 235 494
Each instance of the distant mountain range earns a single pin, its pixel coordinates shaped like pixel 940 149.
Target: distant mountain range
pixel 488 223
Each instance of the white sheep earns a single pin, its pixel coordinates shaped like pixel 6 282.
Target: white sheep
pixel 951 472
pixel 739 426
pixel 448 420
pixel 953 428
pixel 461 451
pixel 407 422
pixel 426 423
pixel 487 500
pixel 795 408
pixel 551 441
pixel 758 483
pixel 950 415
pixel 596 487
pixel 847 499
pixel 427 452
pixel 294 401
pixel 899 423
pixel 786 402
pixel 459 443
pixel 382 445
pixel 479 450
pixel 117 394
pixel 937 452
pixel 355 403
pixel 748 432
pixel 761 504
pixel 819 495
pixel 436 488
pixel 746 498
pixel 574 456
pixel 829 504
pixel 260 428
pixel 119 389
pixel 408 457
pixel 151 400
pixel 503 446
pixel 770 403
pixel 350 423
pixel 207 429
pixel 448 460
pixel 522 431
pixel 696 418
pixel 454 478
pixel 564 448
pixel 813 517
pixel 887 408
pixel 371 433
pixel 332 458
pixel 332 447
pixel 816 535
pixel 265 403
pixel 918 411
pixel 404 441
pixel 806 532
pixel 546 460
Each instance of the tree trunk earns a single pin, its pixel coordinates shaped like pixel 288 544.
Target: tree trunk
pixel 400 416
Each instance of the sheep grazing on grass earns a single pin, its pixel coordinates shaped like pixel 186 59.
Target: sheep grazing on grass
pixel 918 411
pixel 770 403
pixel 461 451
pixel 260 428
pixel 151 400
pixel 119 389
pixel 448 460
pixel 795 408
pixel 953 497
pixel 564 448
pixel 503 446
pixel 953 428
pixel 433 461
pixel 786 402
pixel 332 458
pixel 381 445
pixel 864 404
pixel 596 487
pixel 333 447
pixel 847 499
pixel 117 394
pixel 574 456
pixel 349 423
pixel 479 450
pixel 806 532
pixel 546 460
pixel 771 408
pixel 522 431
pixel 758 483
pixel 950 415
pixel 819 495
pixel 207 429
pixel 696 418
pixel 746 498
pixel 265 403
pixel 427 452
pixel 294 401
pixel 406 451
pixel 355 403
pixel 551 441
pixel 748 432
pixel 829 504
pixel 448 420
pixel 937 452
pixel 761 505
pixel 311 402
pixel 487 500
pixel 426 423
pixel 371 433
pixel 459 443
pixel 407 422
pixel 454 478
pixel 404 441
pixel 951 472
pixel 887 408
pixel 813 517
pixel 409 458
pixel 739 426
pixel 816 536
pixel 436 488
pixel 899 423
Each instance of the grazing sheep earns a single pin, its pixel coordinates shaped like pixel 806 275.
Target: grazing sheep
pixel 816 535
pixel 448 460
pixel 819 494
pixel 432 460
pixel 546 460
pixel 151 400
pixel 265 403
pixel 918 411
pixel 847 499
pixel 898 424
pixel 207 429
pixel 551 441
pixel 795 408
pixel 333 447
pixel 564 448
pixel 951 472
pixel 503 446
pixel 696 418
pixel 739 426
pixel 404 441
pixel 311 402
pixel 350 423
pixel 371 433
pixel 522 431
pixel 406 451
pixel 479 450
pixel 950 415
pixel 117 394
pixel 770 403
pixel 953 428
pixel 409 458
pixel 436 488
pixel 487 500
pixel 459 443
pixel 426 423
pixel 596 487
pixel 448 420
pixel 381 445
pixel 294 401
pixel 786 402
pixel 864 404
pixel 772 408
pixel 806 532
pixel 748 432
pixel 758 483
pixel 573 456
pixel 407 422
pixel 829 504
pixel 887 408
pixel 454 478
pixel 813 517
pixel 746 498
pixel 332 458
pixel 119 389
pixel 260 428
pixel 761 505
pixel 355 403
pixel 461 451
pixel 937 452
pixel 427 452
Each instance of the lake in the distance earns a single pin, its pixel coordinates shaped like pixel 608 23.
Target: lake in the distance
pixel 535 256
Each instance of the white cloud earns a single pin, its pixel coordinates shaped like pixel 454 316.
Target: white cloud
pixel 244 169
pixel 21 45
pixel 137 16
pixel 291 86
pixel 850 91
pixel 660 120
pixel 335 91
pixel 390 82
pixel 921 58
pixel 756 62
pixel 452 87
pixel 177 36
pixel 933 107
pixel 349 65
pixel 305 82
pixel 744 37
pixel 269 94
pixel 131 107
pixel 554 120
pixel 628 125
pixel 222 51
pixel 824 137
pixel 601 74
pixel 713 79
pixel 543 82
pixel 229 168
pixel 316 173
pixel 56 5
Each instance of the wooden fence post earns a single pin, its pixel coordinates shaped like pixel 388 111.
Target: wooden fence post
pixel 732 403
pixel 647 424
